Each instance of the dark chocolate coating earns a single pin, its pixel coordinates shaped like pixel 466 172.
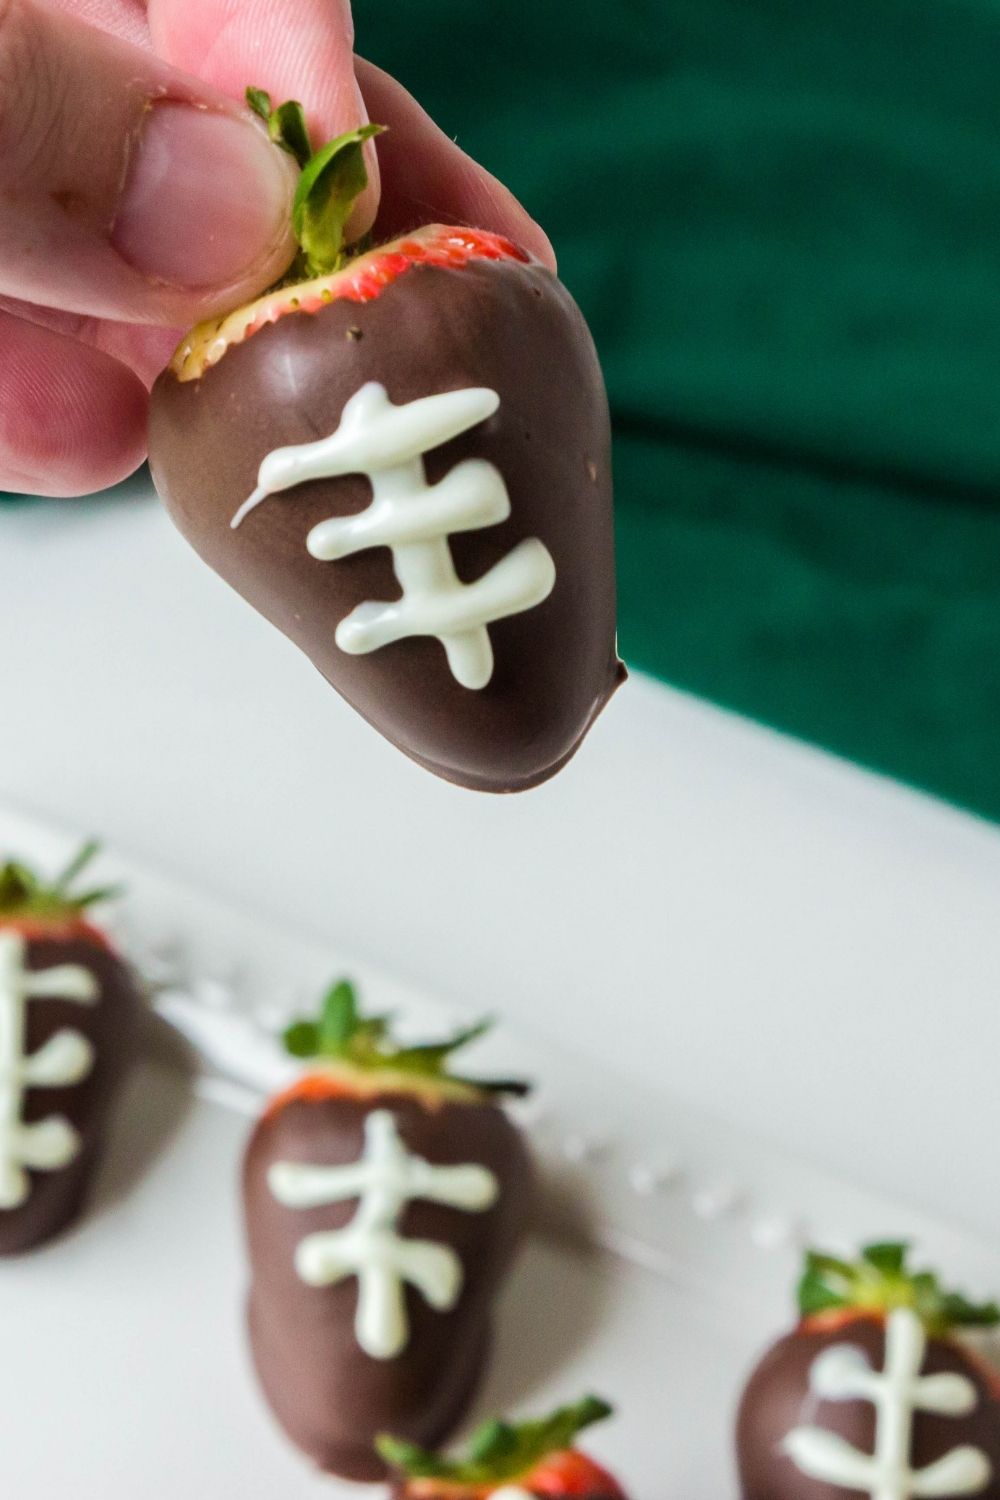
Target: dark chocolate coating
pixel 508 326
pixel 110 1024
pixel 777 1398
pixel 328 1394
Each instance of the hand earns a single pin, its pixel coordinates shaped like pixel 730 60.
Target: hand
pixel 137 195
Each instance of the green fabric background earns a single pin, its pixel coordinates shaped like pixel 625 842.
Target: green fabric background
pixel 781 218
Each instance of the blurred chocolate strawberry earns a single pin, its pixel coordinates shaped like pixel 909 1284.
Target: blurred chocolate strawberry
pixel 401 457
pixel 874 1392
pixel 384 1198
pixel 503 1461
pixel 68 1009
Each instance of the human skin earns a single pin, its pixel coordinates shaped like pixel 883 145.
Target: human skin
pixel 138 196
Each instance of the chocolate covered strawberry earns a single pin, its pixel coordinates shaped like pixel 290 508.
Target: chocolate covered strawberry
pixel 401 457
pixel 384 1200
pixel 874 1393
pixel 507 1462
pixel 68 1008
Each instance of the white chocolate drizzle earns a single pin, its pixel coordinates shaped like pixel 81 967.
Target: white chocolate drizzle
pixel 842 1373
pixel 388 443
pixel 384 1179
pixel 66 1058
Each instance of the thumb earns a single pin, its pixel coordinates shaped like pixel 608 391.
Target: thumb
pixel 295 49
pixel 129 190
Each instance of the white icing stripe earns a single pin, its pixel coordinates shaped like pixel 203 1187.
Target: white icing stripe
pixel 841 1373
pixel 414 519
pixel 457 615
pixel 65 1058
pixel 471 495
pixel 511 1492
pixel 380 436
pixel 384 1179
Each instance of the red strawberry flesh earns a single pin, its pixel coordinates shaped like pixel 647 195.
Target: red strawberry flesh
pixel 571 1473
pixel 361 280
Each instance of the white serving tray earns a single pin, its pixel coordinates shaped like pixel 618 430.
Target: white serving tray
pixel 665 1259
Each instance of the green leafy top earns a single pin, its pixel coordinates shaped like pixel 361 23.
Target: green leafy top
pixel 341 1033
pixel 879 1281
pixel 24 894
pixel 332 178
pixel 497 1451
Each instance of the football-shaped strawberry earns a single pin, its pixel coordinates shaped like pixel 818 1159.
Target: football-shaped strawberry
pixel 502 1461
pixel 68 1011
pixel 872 1393
pixel 384 1200
pixel 401 457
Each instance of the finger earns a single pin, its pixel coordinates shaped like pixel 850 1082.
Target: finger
pixel 72 419
pixel 426 177
pixel 144 349
pixel 295 49
pixel 129 190
pixel 122 18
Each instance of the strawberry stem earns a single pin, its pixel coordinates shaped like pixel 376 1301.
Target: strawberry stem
pixel 342 1033
pixel 24 894
pixel 286 125
pixel 879 1281
pixel 497 1451
pixel 331 180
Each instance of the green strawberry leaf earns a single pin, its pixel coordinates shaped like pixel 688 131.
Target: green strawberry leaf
pixel 431 1057
pixel 301 1039
pixel 513 1088
pixel 879 1281
pixel 70 872
pixel 24 893
pixel 259 101
pixel 492 1441
pixel 287 128
pixel 286 125
pixel 961 1313
pixel 824 1283
pixel 16 885
pixel 339 1016
pixel 497 1451
pixel 342 1033
pixel 96 896
pixel 412 1460
pixel 370 1032
pixel 331 180
pixel 889 1258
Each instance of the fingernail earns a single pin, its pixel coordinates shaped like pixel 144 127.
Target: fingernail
pixel 206 201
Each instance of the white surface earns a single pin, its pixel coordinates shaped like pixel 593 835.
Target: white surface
pixel 132 1377
pixel 729 1216
pixel 129 1330
pixel 798 946
pixel 129 1334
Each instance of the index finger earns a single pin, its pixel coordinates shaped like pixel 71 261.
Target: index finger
pixel 295 49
